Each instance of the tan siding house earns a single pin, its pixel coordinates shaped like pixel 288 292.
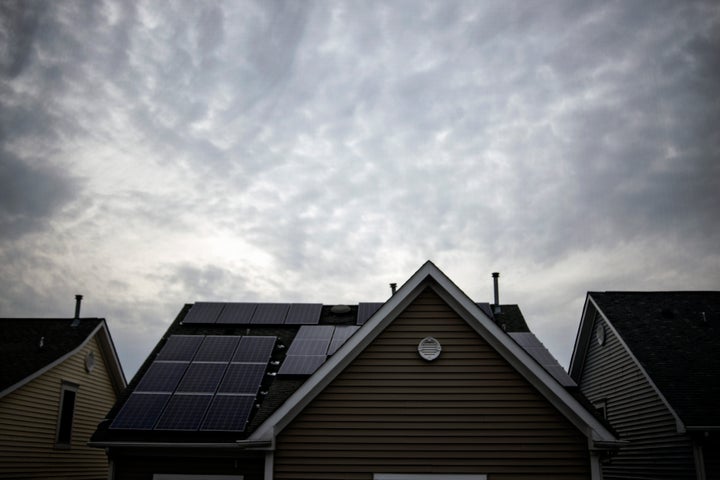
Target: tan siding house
pixel 427 386
pixel 48 415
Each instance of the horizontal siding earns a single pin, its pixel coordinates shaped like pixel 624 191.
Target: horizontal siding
pixel 638 414
pixel 468 411
pixel 28 423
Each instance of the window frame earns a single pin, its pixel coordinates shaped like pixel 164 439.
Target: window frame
pixel 64 425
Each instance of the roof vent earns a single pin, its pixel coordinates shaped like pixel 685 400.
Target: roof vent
pixel 393 288
pixel 496 305
pixel 340 309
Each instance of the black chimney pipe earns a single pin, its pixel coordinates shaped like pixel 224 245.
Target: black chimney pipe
pixel 495 277
pixel 78 300
pixel 393 288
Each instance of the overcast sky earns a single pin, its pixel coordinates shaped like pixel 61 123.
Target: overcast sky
pixel 159 153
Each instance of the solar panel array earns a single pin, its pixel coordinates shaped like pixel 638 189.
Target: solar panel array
pixel 199 383
pixel 532 345
pixel 312 345
pixel 255 313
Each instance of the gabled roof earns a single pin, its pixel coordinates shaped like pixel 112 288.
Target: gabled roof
pixel 31 346
pixel 280 395
pixel 674 336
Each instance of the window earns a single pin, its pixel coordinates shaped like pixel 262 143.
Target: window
pixel 601 408
pixel 68 392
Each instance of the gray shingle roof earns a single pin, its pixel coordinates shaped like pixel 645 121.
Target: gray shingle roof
pixel 21 353
pixel 676 338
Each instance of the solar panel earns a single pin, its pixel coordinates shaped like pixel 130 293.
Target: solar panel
pixel 180 347
pixel 315 332
pixel 301 364
pixel 254 349
pixel 217 348
pixel 270 313
pixel 184 412
pixel 533 346
pixel 202 377
pixel 239 313
pixel 304 314
pixel 367 310
pixel 162 377
pixel 341 335
pixel 243 378
pixel 140 411
pixel 228 413
pixel 203 312
pixel 309 346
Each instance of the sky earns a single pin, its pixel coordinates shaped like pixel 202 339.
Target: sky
pixel 157 153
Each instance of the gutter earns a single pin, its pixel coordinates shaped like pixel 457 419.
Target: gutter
pixel 237 445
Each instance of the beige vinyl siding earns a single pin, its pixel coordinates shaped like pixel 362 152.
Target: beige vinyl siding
pixel 468 411
pixel 29 416
pixel 636 412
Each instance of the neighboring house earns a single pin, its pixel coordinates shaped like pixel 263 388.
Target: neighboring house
pixel 58 378
pixel 651 362
pixel 428 385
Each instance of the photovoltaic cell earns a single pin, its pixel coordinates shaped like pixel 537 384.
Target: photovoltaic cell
pixel 341 335
pixel 203 312
pixel 301 364
pixel 238 313
pixel 216 348
pixel 304 314
pixel 162 377
pixel 254 349
pixel 367 310
pixel 243 378
pixel 202 377
pixel 184 412
pixel 229 413
pixel 180 347
pixel 140 411
pixel 309 346
pixel 315 332
pixel 270 313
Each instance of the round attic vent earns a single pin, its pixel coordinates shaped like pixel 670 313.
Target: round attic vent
pixel 89 362
pixel 429 348
pixel 339 309
pixel 600 334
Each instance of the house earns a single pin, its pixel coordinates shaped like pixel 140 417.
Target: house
pixel 428 385
pixel 58 379
pixel 650 361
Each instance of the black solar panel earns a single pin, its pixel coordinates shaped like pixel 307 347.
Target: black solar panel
pixel 270 313
pixel 254 349
pixel 304 314
pixel 315 332
pixel 162 377
pixel 301 364
pixel 341 335
pixel 367 310
pixel 229 413
pixel 203 312
pixel 141 411
pixel 217 348
pixel 309 346
pixel 180 347
pixel 243 378
pixel 184 412
pixel 240 313
pixel 202 377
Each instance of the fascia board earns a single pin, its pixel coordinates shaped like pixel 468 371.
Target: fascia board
pixel 113 361
pixel 526 365
pixel 577 360
pixel 678 422
pixel 51 365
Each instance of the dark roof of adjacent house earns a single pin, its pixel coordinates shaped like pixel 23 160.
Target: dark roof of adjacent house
pixel 30 345
pixel 676 338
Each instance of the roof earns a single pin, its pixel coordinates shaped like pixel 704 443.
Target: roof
pixel 31 346
pixel 675 337
pixel 281 392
